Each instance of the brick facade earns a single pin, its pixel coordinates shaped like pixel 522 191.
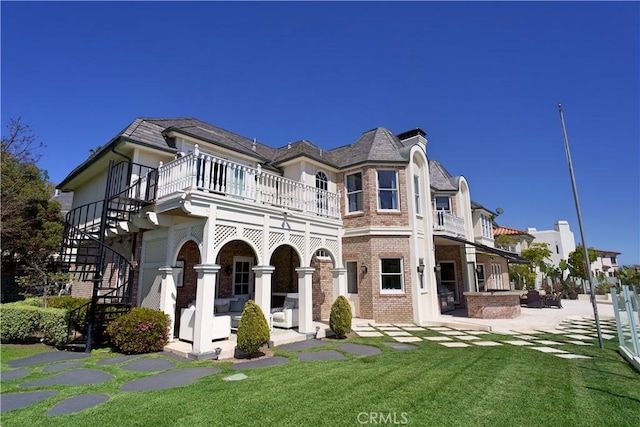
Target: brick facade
pixel 451 253
pixel 322 288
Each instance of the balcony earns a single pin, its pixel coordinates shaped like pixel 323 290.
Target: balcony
pixel 446 222
pixel 206 173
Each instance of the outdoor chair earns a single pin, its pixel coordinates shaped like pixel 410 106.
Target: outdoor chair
pixel 554 300
pixel 534 300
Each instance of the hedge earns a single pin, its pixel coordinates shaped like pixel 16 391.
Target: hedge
pixel 23 322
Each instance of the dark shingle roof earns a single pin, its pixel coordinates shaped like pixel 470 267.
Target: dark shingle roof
pixel 376 145
pixel 303 148
pixel 441 179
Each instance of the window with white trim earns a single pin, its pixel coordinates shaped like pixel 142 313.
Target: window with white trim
pixel 388 190
pixel 391 275
pixel 354 192
pixel 442 203
pixel 487 226
pixel 416 196
pixel 496 273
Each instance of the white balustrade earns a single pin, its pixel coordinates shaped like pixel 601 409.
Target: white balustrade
pixel 204 172
pixel 447 222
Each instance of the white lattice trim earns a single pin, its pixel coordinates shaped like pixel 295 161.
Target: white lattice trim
pixel 224 232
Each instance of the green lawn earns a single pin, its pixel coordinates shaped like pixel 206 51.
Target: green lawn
pixel 429 386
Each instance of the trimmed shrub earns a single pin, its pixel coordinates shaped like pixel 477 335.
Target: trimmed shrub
pixel 18 322
pixel 67 302
pixel 53 325
pixel 253 330
pixel 142 330
pixel 340 317
pixel 31 302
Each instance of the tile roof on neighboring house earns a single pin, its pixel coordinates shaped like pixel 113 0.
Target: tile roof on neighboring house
pixel 441 179
pixel 507 231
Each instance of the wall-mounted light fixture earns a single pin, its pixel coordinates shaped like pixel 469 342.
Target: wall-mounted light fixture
pixel 437 268
pixel 421 266
pixel 364 269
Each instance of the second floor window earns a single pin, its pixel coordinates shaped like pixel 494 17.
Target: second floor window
pixel 388 190
pixel 354 192
pixel 418 199
pixel 442 203
pixel 487 229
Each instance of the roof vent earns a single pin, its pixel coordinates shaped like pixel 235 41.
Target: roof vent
pixel 288 146
pixel 321 152
pixel 253 146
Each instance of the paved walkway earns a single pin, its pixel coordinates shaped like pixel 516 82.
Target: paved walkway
pixel 572 325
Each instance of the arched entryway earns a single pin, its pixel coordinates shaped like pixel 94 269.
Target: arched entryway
pixel 188 257
pixel 235 279
pixel 284 280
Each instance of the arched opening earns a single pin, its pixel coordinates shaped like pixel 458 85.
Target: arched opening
pixel 236 260
pixel 285 259
pixel 188 257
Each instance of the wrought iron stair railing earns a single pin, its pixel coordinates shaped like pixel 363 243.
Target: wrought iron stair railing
pixel 88 258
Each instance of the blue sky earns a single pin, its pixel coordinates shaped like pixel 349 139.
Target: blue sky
pixel 483 79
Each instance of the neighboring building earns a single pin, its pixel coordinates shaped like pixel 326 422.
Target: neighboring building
pixel 516 240
pixel 606 263
pixel 195 213
pixel 560 240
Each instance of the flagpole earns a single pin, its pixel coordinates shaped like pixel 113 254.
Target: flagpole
pixel 584 243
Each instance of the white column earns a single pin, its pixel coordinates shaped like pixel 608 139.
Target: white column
pixel 168 294
pixel 205 294
pixel 262 275
pixel 305 293
pixel 339 283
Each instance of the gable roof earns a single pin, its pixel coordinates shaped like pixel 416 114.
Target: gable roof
pixel 303 148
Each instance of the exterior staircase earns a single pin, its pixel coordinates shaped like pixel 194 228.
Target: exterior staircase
pixel 88 257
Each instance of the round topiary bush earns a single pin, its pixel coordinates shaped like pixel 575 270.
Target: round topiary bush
pixel 340 317
pixel 253 330
pixel 142 330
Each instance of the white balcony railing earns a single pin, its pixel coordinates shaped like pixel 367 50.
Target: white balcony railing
pixel 447 222
pixel 199 171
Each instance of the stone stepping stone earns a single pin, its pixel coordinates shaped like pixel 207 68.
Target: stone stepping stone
pixel 452 333
pixel 169 379
pixel 476 332
pixel 11 401
pixel 524 337
pixel 78 403
pixel 407 339
pixel 360 350
pixel 377 325
pixel 235 377
pixel 454 344
pixel 438 339
pixel 579 343
pixel 404 325
pixel 548 350
pixel 321 355
pixel 261 363
pixel 518 342
pixel 116 360
pixel 400 346
pixel 173 356
pixel 13 375
pixel 548 342
pixel 369 334
pixel 149 365
pixel 398 333
pixel 507 332
pixel 73 377
pixel 363 328
pixel 486 343
pixel 467 337
pixel 572 356
pixel 608 336
pixel 553 331
pixel 413 328
pixel 303 345
pixel 440 328
pixel 581 337
pixel 60 366
pixel 578 331
pixel 389 328
pixel 49 357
